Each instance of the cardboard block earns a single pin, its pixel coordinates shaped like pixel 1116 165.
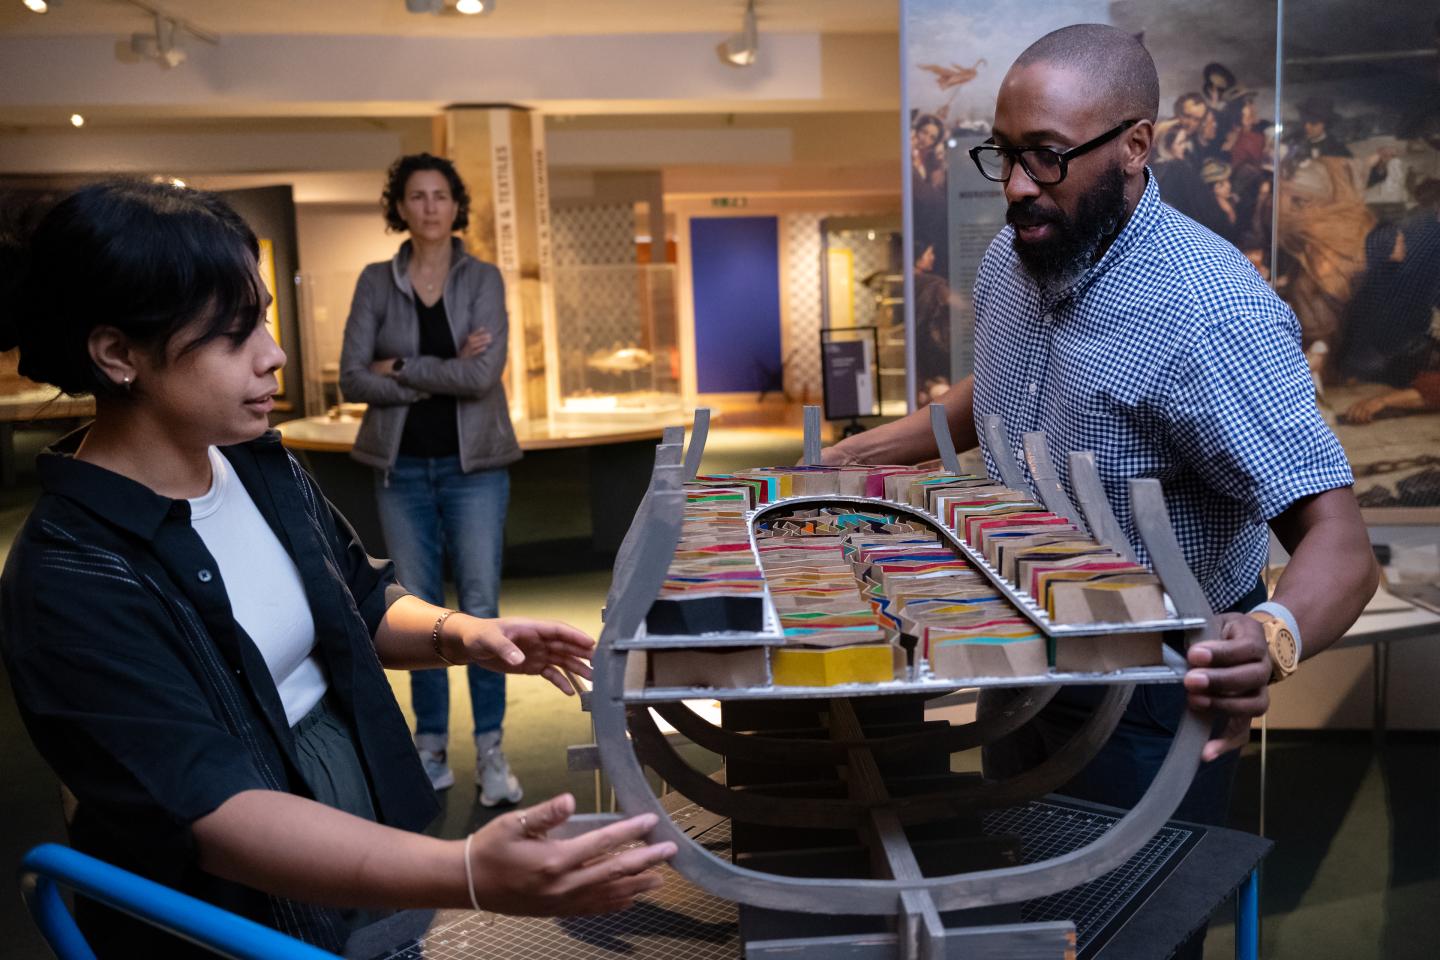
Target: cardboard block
pixel 719 669
pixel 863 663
pixel 989 657
pixel 1104 654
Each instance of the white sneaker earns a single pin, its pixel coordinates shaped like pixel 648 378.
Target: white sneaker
pixel 432 757
pixel 492 772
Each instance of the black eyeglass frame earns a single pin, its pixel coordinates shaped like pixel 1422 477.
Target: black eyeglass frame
pixel 1017 155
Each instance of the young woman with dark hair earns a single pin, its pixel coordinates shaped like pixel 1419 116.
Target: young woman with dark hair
pixel 196 639
pixel 425 348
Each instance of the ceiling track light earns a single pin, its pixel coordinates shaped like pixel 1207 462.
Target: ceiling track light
pixel 162 46
pixel 468 8
pixel 740 49
pixel 40 6
pixel 163 43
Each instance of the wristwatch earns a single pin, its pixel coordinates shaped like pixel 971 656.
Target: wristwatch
pixel 398 365
pixel 1284 657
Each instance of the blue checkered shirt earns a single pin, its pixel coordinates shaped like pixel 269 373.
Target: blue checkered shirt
pixel 1169 358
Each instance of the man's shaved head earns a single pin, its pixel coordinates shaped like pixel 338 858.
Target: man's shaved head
pixel 1116 63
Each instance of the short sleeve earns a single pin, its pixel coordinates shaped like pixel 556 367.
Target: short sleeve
pixel 1243 416
pixel 371 580
pixel 112 702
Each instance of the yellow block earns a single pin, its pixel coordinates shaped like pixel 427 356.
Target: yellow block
pixel 866 663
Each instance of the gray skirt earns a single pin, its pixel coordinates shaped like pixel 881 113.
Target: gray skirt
pixel 329 763
pixel 325 751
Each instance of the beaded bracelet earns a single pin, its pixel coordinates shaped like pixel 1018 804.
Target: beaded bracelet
pixel 435 638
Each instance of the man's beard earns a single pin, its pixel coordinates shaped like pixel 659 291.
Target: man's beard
pixel 1077 242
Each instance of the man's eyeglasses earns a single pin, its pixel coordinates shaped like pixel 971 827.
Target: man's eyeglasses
pixel 1042 164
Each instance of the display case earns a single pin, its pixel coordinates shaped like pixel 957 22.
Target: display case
pixel 618 349
pixel 864 286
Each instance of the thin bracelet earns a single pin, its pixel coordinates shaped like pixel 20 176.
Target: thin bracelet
pixel 435 638
pixel 470 872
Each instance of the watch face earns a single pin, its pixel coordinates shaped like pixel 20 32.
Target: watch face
pixel 1283 648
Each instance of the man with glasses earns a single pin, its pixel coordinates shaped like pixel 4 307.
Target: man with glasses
pixel 1117 325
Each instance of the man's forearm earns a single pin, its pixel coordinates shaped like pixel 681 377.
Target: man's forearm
pixel 1332 573
pixel 910 439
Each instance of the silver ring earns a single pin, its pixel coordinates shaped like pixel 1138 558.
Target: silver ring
pixel 525 828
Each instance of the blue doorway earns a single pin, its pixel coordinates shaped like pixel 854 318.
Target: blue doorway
pixel 735 275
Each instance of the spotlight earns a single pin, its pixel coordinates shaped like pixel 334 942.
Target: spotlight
pixel 469 7
pixel 740 49
pixel 38 6
pixel 76 120
pixel 162 46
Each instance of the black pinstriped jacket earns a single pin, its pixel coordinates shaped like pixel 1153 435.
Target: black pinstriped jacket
pixel 151 703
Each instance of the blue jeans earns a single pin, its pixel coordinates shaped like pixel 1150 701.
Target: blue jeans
pixel 430 509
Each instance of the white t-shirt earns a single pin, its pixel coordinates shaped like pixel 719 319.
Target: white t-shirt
pixel 264 586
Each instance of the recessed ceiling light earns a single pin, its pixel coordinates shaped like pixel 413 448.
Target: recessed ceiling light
pixel 470 7
pixel 76 120
pixel 37 6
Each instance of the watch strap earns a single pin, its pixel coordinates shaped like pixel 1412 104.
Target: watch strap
pixel 1282 613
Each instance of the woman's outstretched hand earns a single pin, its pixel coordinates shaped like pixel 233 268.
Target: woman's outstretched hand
pixel 519 871
pixel 548 648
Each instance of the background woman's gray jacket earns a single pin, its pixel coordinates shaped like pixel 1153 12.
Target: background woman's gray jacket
pixel 383 324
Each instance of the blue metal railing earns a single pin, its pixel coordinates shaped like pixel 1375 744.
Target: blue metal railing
pixel 51 865
pixel 1247 918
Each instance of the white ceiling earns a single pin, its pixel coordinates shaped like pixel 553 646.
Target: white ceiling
pixel 511 18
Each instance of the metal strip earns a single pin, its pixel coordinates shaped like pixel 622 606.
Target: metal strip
pixel 944 441
pixel 1020 941
pixel 1046 480
pixel 1090 490
pixel 1152 519
pixel 1002 454
pixel 666 454
pixel 812 436
pixel 699 433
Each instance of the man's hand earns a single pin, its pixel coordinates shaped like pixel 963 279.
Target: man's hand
pixel 1230 678
pixel 386 368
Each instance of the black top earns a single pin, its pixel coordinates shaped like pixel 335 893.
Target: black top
pixel 151 702
pixel 431 429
